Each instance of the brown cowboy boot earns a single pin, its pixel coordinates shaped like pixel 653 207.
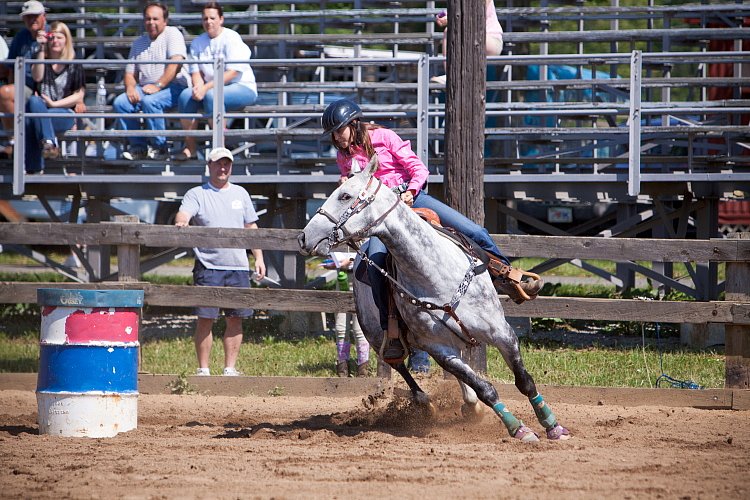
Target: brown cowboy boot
pixel 393 349
pixel 342 368
pixel 363 370
pixel 511 281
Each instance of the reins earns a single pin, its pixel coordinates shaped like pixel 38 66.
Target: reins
pixel 352 239
pixel 448 308
pixel 362 202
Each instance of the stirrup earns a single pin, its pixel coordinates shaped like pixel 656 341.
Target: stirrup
pixel 393 349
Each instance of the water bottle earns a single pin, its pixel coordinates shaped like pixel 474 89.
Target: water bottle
pixel 343 281
pixel 101 95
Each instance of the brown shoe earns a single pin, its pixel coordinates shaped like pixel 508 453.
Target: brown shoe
pixel 363 370
pixel 342 368
pixel 519 292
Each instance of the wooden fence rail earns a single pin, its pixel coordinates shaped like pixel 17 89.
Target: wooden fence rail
pixel 127 237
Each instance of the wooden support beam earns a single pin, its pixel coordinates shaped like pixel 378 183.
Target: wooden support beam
pixel 737 341
pixel 281 299
pixel 128 256
pixel 464 119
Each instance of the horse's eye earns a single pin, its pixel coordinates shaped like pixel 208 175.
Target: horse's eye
pixel 345 197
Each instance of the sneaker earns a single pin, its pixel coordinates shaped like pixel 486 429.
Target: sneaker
pixel 231 372
pixel 441 79
pixel 50 150
pixel 135 154
pixel 158 154
pixel 203 372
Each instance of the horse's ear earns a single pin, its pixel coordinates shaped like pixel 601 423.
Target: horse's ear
pixel 372 166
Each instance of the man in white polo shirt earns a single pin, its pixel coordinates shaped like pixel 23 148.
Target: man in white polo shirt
pixel 152 87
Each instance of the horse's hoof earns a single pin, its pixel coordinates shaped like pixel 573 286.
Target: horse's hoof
pixel 422 399
pixel 471 412
pixel 558 433
pixel 526 435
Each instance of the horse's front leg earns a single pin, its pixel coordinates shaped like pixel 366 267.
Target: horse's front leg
pixel 525 384
pixel 417 393
pixel 486 393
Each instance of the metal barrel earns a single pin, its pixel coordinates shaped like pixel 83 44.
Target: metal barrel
pixel 88 362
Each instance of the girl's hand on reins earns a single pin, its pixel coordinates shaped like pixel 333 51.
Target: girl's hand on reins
pixel 408 198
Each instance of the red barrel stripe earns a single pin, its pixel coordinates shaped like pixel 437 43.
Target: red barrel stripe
pixel 102 325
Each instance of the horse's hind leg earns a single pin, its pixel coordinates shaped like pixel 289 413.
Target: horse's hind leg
pixel 470 408
pixel 486 393
pixel 525 384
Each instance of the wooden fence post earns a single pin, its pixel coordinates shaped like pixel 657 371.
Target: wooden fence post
pixel 129 265
pixel 737 343
pixel 128 256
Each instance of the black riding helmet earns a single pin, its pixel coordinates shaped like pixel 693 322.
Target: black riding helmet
pixel 339 114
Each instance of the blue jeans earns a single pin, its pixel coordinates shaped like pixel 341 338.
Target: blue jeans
pixel 452 218
pixel 449 217
pixel 236 96
pixel 159 102
pixel 43 129
pixel 419 361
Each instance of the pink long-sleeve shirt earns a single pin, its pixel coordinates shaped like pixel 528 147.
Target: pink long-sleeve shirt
pixel 398 163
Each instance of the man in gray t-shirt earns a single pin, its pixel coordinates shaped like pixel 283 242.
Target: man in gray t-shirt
pixel 219 203
pixel 152 87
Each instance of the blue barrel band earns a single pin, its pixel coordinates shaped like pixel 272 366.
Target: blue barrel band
pixel 62 297
pixel 74 368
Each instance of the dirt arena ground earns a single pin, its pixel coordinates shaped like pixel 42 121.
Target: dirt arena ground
pixel 375 446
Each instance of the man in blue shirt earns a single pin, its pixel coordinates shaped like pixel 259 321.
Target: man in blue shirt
pixel 219 203
pixel 25 45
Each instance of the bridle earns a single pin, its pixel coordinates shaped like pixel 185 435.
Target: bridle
pixel 339 233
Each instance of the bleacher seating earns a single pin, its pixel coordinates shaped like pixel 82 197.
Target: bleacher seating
pixel 575 125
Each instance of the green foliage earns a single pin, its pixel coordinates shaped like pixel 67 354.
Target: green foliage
pixel 276 391
pixel 180 385
pixel 548 361
pixel 611 367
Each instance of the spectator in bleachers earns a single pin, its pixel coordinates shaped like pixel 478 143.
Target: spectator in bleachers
pixel 493 39
pixel 25 45
pixel 240 89
pixel 152 88
pixel 60 88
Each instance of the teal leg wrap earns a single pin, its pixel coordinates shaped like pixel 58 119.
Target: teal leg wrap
pixel 543 412
pixel 510 421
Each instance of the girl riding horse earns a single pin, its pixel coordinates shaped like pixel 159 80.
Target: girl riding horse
pixel 401 170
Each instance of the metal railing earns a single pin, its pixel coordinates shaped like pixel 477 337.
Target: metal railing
pixel 426 112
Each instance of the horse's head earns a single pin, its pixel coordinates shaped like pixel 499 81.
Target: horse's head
pixel 350 214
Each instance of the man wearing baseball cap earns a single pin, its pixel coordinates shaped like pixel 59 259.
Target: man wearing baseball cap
pixel 25 45
pixel 219 203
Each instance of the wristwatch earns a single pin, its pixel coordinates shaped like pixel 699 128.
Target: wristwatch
pixel 158 84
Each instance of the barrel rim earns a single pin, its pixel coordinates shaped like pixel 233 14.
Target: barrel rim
pixel 73 297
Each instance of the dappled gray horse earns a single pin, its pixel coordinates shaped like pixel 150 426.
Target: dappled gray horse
pixel 446 307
